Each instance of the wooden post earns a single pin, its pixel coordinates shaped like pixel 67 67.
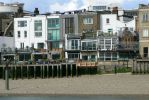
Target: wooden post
pixel 27 72
pixel 52 70
pixel 66 70
pixel 43 71
pixel 76 70
pixel 16 72
pixel 60 70
pixel 3 73
pixel 57 70
pixel 47 71
pixel 34 72
pixel 21 71
pixel 71 70
pixel 12 72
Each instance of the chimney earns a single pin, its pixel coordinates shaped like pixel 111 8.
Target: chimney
pixel 36 12
pixel 115 10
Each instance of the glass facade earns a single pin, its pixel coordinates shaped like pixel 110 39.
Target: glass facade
pixel 53 23
pixel 69 25
pixel 54 34
pixel 38 28
pixel 108 56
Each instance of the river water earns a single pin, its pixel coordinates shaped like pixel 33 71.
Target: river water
pixel 74 97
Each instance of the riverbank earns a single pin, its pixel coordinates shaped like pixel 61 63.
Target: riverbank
pixel 108 84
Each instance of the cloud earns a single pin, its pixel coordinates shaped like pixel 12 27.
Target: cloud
pixel 81 4
pixel 71 5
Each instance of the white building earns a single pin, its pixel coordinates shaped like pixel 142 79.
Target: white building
pixel 30 31
pixel 111 24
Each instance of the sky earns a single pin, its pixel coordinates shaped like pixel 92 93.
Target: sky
pixel 68 5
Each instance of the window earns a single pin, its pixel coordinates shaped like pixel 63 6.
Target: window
pixel 74 44
pixel 40 45
pixel 25 33
pixel 89 45
pixel 88 20
pixel 19 35
pixel 38 28
pixel 22 45
pixel 55 44
pixel 54 35
pixel 22 23
pixel 110 31
pixel 145 17
pixel 107 20
pixel 145 33
pixel 32 45
pixel 69 25
pixel 145 51
pixel 54 22
pixel 73 55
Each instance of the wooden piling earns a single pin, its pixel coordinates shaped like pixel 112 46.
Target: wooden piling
pixel 21 71
pixel 47 71
pixel 15 72
pixel 52 70
pixel 27 72
pixel 12 73
pixel 71 70
pixel 43 71
pixel 34 72
pixel 3 72
pixel 40 71
pixel 76 70
pixel 60 70
pixel 66 70
pixel 57 70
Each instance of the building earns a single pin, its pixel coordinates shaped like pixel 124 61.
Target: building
pixel 7 13
pixel 143 23
pixel 54 37
pixel 30 35
pixel 110 24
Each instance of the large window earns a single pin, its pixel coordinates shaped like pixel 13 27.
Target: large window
pixel 145 51
pixel 55 44
pixel 106 56
pixel 40 45
pixel 89 45
pixel 69 25
pixel 73 55
pixel 53 23
pixel 22 23
pixel 88 20
pixel 54 34
pixel 145 33
pixel 38 28
pixel 74 44
pixel 145 17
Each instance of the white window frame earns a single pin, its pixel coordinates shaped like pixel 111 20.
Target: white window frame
pixel 145 33
pixel 88 20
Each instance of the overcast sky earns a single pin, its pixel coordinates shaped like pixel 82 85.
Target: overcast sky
pixel 66 5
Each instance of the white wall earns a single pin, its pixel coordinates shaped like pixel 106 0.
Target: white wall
pixel 8 41
pixel 31 38
pixel 114 23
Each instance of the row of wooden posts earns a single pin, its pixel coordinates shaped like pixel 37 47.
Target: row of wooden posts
pixel 42 71
pixel 141 67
